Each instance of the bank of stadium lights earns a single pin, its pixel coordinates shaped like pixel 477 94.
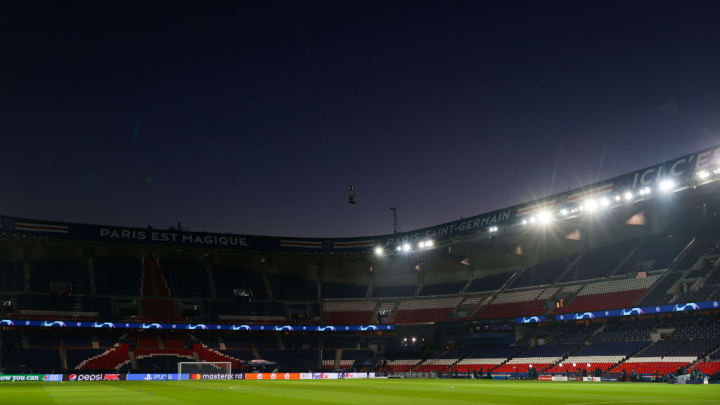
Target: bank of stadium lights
pixel 493 229
pixel 407 247
pixel 426 244
pixel 379 251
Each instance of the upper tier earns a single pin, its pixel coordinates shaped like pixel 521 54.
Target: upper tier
pixel 683 173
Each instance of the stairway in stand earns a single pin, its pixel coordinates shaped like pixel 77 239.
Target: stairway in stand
pixel 157 305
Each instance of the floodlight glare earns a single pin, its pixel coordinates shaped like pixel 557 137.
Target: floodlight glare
pixel 703 174
pixel 604 202
pixel 563 211
pixel 667 185
pixel 399 248
pixel 544 217
pixel 618 198
pixel 628 196
pixel 379 251
pixel 524 221
pixel 591 205
pixel 716 171
pixel 429 243
pixel 406 247
pixel 421 244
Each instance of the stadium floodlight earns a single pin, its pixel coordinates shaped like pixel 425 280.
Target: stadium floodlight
pixel 429 243
pixel 564 212
pixel 493 229
pixel 590 205
pixel 618 198
pixel 414 339
pixel 421 244
pixel 645 191
pixel 716 171
pixel 406 247
pixel 399 248
pixel 667 185
pixel 604 202
pixel 524 222
pixel 544 217
pixel 628 196
pixel 379 251
pixel 703 174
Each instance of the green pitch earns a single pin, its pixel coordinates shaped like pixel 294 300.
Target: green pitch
pixel 367 392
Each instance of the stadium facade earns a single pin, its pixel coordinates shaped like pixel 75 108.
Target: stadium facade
pixel 619 275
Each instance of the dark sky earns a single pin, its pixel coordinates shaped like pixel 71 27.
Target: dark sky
pixel 253 117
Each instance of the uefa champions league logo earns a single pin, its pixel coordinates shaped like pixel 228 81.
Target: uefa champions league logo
pixel 53 324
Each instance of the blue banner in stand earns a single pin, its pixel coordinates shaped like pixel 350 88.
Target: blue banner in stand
pixel 688 306
pixel 196 326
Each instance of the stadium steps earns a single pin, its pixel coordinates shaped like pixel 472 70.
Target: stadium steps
pixel 62 352
pixel 418 289
pixel 569 267
pixel 266 283
pixel 628 257
pixel 466 286
pixel 375 316
pixel 678 258
pixel 255 352
pixel 709 355
pixel 133 360
pixel 652 288
pixel 482 304
pixel 211 281
pixel 394 312
pixel 458 306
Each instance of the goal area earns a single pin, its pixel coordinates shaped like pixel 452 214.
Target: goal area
pixel 204 367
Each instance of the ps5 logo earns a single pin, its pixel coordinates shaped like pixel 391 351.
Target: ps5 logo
pixel 151 326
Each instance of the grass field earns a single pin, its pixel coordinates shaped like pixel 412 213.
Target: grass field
pixel 365 392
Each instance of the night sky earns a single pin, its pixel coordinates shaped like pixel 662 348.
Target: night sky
pixel 254 117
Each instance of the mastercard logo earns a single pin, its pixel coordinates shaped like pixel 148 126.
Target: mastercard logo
pixel 196 376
